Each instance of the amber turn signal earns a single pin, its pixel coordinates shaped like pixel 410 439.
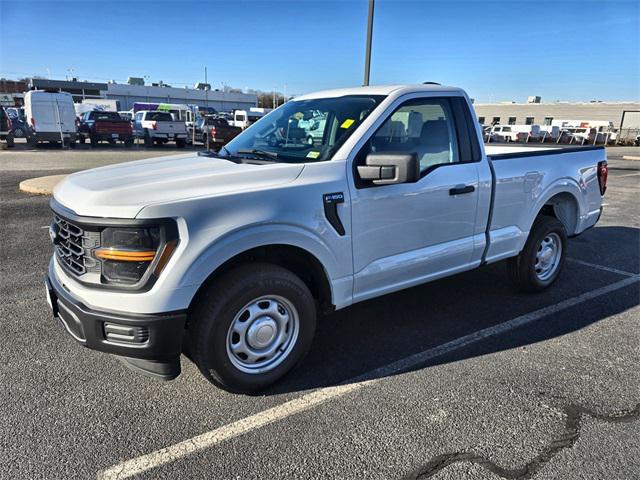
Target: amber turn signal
pixel 125 255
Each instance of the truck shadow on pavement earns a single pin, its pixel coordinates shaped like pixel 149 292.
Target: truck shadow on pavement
pixel 364 337
pixel 374 333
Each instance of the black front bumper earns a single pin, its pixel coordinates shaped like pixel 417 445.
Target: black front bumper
pixel 157 343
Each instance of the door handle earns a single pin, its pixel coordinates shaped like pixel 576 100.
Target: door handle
pixel 460 189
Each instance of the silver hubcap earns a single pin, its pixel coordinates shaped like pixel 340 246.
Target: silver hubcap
pixel 548 256
pixel 262 334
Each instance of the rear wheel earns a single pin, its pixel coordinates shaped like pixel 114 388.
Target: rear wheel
pixel 10 141
pixel 542 257
pixel 94 141
pixel 251 327
pixel 32 141
pixel 148 141
pixel 128 142
pixel 181 142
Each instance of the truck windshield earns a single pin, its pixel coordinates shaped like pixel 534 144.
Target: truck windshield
pixel 304 130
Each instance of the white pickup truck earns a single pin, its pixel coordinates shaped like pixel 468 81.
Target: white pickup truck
pixel 228 256
pixel 159 127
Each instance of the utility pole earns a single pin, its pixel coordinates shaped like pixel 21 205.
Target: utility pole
pixel 206 105
pixel 367 58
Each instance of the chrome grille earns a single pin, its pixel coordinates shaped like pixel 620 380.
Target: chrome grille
pixel 69 245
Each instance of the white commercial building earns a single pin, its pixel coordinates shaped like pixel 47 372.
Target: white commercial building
pixel 127 95
pixel 546 113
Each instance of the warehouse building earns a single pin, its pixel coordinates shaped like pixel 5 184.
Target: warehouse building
pixel 127 95
pixel 79 90
pixel 544 113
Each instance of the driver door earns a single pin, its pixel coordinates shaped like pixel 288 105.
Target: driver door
pixel 405 234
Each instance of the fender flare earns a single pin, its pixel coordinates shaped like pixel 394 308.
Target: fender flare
pixel 234 243
pixel 566 186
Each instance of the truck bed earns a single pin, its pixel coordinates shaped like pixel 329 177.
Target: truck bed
pixel 503 152
pixel 532 175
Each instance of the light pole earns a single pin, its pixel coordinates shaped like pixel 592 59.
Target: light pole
pixel 206 104
pixel 367 57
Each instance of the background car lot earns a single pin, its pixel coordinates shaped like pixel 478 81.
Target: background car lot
pixel 512 402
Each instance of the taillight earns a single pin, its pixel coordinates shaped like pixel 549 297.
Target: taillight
pixel 33 123
pixel 9 124
pixel 213 131
pixel 603 173
pixel 154 125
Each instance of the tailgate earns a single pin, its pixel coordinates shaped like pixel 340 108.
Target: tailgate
pixel 113 126
pixel 171 127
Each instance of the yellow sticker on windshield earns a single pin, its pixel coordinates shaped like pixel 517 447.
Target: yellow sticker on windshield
pixel 313 154
pixel 347 123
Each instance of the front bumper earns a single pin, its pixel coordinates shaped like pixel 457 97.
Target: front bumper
pixel 151 343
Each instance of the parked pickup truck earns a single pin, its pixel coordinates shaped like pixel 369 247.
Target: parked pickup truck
pixel 159 127
pixel 230 255
pixel 100 126
pixel 215 131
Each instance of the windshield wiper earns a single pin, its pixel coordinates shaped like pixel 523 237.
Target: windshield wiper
pixel 210 154
pixel 272 156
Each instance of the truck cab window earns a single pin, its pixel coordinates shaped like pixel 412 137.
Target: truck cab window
pixel 424 126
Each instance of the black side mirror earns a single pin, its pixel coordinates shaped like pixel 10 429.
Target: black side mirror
pixel 387 168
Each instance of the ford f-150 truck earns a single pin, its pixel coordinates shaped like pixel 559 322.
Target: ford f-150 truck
pixel 97 126
pixel 228 256
pixel 214 131
pixel 159 127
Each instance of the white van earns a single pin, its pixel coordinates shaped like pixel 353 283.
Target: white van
pixel 51 117
pixel 244 118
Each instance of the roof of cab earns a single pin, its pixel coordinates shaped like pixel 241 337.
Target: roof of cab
pixel 379 90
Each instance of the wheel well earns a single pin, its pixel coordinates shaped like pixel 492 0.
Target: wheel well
pixel 295 259
pixel 563 207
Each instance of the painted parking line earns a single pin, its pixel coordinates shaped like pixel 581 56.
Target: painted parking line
pixel 310 400
pixel 601 267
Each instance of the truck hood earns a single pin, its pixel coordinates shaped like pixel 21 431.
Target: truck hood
pixel 122 190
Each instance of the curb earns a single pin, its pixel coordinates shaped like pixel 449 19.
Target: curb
pixel 630 157
pixel 41 185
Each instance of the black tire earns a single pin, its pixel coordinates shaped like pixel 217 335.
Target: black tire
pixel 128 142
pixel 81 139
pixel 148 141
pixel 181 142
pixel 223 300
pixel 522 269
pixel 204 139
pixel 32 141
pixel 10 141
pixel 94 141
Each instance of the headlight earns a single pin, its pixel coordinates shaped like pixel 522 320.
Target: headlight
pixel 127 253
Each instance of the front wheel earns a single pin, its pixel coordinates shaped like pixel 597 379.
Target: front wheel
pixel 251 327
pixel 542 257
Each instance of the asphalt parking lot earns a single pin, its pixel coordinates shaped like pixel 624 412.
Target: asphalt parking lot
pixel 462 378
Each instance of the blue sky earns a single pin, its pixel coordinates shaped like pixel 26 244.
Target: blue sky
pixel 498 51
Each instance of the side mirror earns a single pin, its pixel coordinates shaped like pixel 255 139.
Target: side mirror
pixel 387 168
